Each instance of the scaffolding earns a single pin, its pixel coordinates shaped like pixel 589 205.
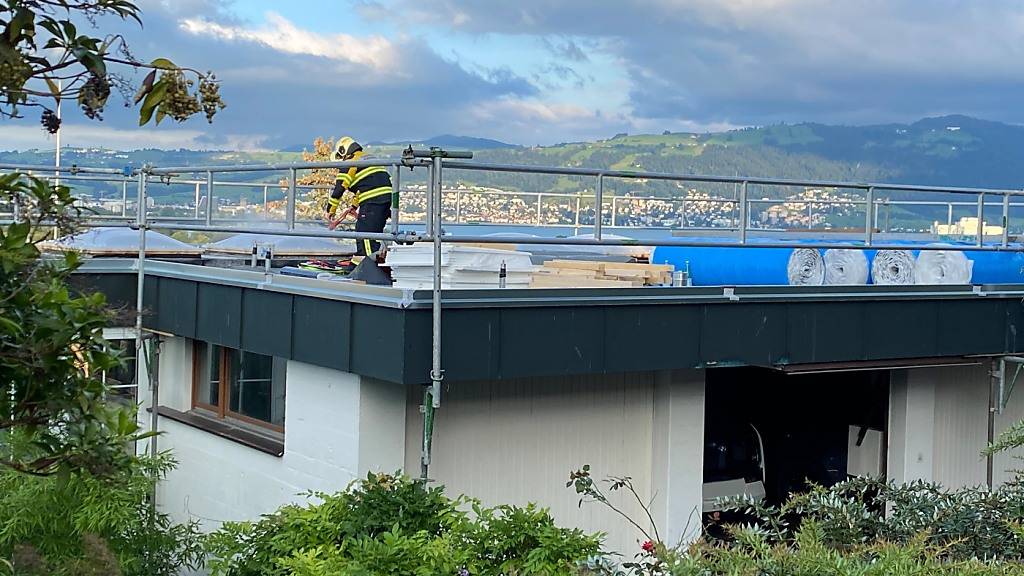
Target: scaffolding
pixel 435 161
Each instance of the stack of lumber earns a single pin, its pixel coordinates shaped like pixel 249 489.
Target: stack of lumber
pixel 590 274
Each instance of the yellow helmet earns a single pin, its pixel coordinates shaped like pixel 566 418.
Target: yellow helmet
pixel 345 148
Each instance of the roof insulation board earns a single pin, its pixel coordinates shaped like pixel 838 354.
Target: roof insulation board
pixel 111 241
pixel 283 245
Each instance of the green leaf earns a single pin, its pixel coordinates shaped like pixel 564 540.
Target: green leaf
pixel 163 64
pixel 153 99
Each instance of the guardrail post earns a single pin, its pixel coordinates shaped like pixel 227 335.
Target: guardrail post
pixel 266 207
pixel 428 217
pixel 577 212
pixel 124 198
pixel 743 213
pixel 949 214
pixel 869 207
pixel 540 203
pixel 615 211
pixel 290 214
pixel 981 220
pixel 196 211
pixel 209 198
pixel 599 207
pixel 1006 220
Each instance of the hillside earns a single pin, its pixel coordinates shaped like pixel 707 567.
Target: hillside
pixel 951 150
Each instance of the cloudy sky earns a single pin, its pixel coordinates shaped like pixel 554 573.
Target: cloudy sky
pixel 547 71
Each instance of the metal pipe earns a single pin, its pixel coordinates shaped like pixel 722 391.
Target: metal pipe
pixel 992 406
pixel 577 214
pixel 540 204
pixel 140 290
pixel 869 205
pixel 209 198
pixel 554 170
pixel 401 237
pixel 981 219
pixel 73 169
pixel 290 210
pixel 154 394
pixel 458 206
pixel 396 199
pixel 599 207
pixel 436 372
pixel 615 211
pixel 124 198
pixel 949 214
pixel 743 213
pixel 266 207
pixel 1006 221
pixel 428 215
pixel 173 170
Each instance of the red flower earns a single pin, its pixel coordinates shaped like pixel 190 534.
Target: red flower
pixel 648 546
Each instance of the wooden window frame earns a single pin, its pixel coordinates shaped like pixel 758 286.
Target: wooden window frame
pixel 221 410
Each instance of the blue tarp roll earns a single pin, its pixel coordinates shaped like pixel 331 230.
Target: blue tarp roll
pixel 727 266
pixel 747 266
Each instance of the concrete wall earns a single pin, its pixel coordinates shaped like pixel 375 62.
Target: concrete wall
pixel 337 426
pixel 515 442
pixel 938 425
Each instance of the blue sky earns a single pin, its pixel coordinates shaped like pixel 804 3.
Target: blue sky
pixel 541 72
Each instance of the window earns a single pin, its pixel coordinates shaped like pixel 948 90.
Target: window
pixel 239 385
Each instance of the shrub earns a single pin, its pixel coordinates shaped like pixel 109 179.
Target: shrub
pixel 80 524
pixel 392 525
pixel 964 524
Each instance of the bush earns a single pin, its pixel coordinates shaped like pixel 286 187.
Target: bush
pixel 963 524
pixel 392 525
pixel 80 524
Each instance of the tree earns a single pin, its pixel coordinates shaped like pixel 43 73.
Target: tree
pixel 45 59
pixel 53 412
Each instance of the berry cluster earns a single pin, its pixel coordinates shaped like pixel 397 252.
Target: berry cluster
pixel 93 96
pixel 14 74
pixel 50 121
pixel 209 93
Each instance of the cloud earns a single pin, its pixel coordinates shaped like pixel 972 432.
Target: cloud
pixel 761 61
pixel 374 53
pixel 20 137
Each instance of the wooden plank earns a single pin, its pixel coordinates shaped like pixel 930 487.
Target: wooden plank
pixel 509 247
pixel 575 264
pixel 559 281
pixel 641 266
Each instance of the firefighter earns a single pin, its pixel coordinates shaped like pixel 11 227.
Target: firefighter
pixel 371 196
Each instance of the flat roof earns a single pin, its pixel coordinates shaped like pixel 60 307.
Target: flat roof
pixel 385 333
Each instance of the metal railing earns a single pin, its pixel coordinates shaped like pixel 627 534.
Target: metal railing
pixel 435 161
pixel 570 210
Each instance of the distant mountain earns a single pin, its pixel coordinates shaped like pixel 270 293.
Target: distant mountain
pixel 948 150
pixel 450 141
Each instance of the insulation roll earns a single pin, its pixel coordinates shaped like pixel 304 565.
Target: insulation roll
pixel 942 267
pixel 805 267
pixel 892 267
pixel 845 266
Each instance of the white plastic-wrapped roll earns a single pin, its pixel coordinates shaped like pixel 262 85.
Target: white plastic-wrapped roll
pixel 845 266
pixel 893 267
pixel 942 267
pixel 805 268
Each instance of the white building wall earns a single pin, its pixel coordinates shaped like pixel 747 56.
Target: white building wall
pixel 677 475
pixel 337 427
pixel 515 441
pixel 938 425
